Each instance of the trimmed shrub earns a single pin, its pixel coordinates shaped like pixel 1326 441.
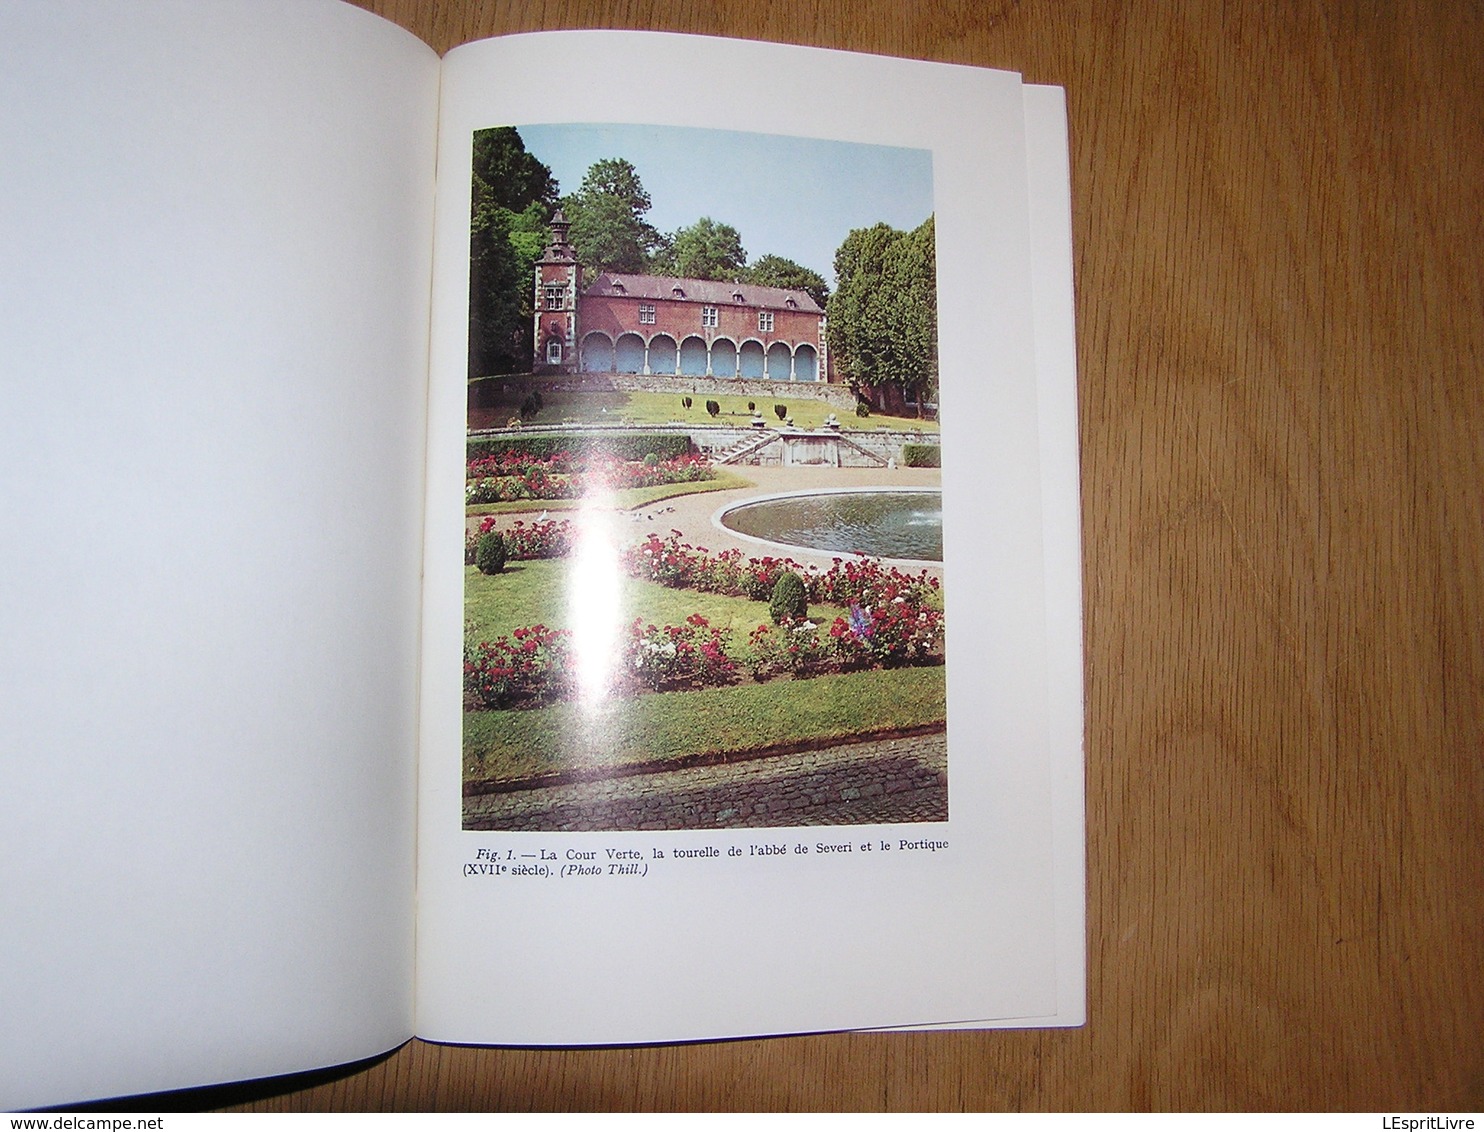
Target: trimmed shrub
pixel 713 407
pixel 921 456
pixel 686 402
pixel 489 553
pixel 780 411
pixel 752 406
pixel 790 601
pixel 863 408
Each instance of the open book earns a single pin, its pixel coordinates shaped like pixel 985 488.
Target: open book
pixel 256 816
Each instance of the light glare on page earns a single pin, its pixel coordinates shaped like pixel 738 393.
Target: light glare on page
pixel 595 602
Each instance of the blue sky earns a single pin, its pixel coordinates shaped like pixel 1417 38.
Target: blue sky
pixel 793 197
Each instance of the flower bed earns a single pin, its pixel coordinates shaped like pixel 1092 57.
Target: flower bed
pixel 532 668
pixel 894 620
pixel 670 657
pixel 511 476
pixel 855 581
pixel 550 539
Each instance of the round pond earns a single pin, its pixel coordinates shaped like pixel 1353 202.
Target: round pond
pixel 882 522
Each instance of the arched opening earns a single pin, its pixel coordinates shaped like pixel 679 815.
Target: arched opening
pixel 629 354
pixel 750 359
pixel 804 364
pixel 693 357
pixel 723 358
pixel 662 354
pixel 778 362
pixel 597 353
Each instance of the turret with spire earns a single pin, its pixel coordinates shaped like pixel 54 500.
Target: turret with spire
pixel 558 284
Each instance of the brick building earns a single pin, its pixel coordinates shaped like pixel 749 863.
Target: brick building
pixel 656 324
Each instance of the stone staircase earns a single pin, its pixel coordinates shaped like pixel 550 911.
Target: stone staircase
pixel 752 444
pixel 744 447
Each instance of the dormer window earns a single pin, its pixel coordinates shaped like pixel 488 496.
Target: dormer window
pixel 791 304
pixel 677 292
pixel 618 288
pixel 737 297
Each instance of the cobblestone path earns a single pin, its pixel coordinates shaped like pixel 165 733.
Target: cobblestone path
pixel 883 781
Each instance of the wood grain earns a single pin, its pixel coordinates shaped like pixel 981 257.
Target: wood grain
pixel 1279 225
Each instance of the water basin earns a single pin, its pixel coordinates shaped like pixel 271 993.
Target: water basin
pixel 904 523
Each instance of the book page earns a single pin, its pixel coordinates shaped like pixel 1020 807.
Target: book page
pixel 1056 365
pixel 216 221
pixel 785 912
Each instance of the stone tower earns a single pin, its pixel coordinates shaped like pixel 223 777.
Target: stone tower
pixel 558 285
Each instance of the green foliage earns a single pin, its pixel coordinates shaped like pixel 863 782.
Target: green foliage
pixel 713 407
pixel 607 217
pixel 780 411
pixel 863 408
pixel 704 250
pixel 752 406
pixel 489 553
pixel 686 402
pixel 511 199
pixel 505 175
pixel 625 446
pixel 789 600
pixel 921 456
pixel 775 271
pixel 883 318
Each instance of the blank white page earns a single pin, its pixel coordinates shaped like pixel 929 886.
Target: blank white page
pixel 216 222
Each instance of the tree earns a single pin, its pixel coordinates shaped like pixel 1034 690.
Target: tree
pixel 704 250
pixel 505 175
pixel 883 316
pixel 511 199
pixel 607 217
pixel 775 271
pixel 498 332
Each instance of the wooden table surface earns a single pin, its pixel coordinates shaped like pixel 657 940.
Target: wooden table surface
pixel 1279 226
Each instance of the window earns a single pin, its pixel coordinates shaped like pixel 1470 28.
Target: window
pixel 765 321
pixel 554 352
pixel 708 316
pixel 737 297
pixel 646 313
pixel 555 293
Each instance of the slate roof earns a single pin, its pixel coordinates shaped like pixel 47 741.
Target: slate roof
pixel 709 291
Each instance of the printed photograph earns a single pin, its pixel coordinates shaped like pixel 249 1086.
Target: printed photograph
pixel 703 535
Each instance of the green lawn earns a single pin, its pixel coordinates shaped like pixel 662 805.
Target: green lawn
pixel 662 408
pixel 505 746
pixel 535 593
pixel 721 480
